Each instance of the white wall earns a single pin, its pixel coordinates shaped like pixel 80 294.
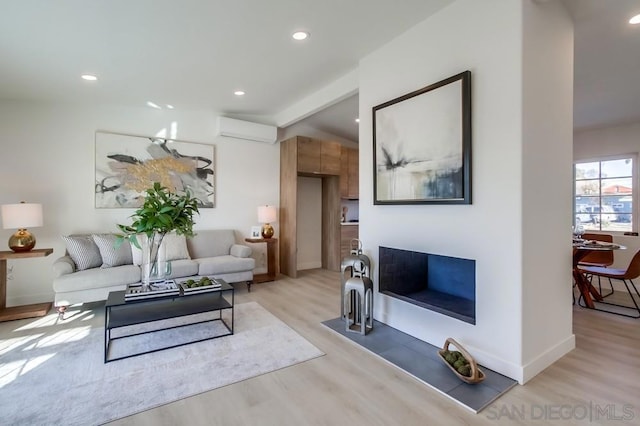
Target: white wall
pixel 547 136
pixel 486 38
pixel 604 141
pixel 353 209
pixel 48 157
pixel 608 141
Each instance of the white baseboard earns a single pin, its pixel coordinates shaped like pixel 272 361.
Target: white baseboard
pixel 548 357
pixel 520 373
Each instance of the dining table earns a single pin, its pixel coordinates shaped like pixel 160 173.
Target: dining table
pixel 582 248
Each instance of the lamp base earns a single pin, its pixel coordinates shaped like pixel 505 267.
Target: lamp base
pixel 267 231
pixel 21 241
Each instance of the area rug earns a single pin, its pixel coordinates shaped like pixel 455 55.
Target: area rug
pixel 52 372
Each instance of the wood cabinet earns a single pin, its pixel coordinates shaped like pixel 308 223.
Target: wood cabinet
pixel 349 173
pixel 347 233
pixel 330 158
pixel 316 157
pixel 308 155
pixel 302 156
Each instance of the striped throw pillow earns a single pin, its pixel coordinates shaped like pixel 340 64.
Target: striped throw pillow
pixel 112 256
pixel 83 251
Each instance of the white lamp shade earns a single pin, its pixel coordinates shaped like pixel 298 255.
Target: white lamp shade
pixel 23 215
pixel 266 214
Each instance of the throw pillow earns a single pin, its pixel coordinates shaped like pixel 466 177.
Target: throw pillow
pixel 174 247
pixel 110 255
pixel 83 251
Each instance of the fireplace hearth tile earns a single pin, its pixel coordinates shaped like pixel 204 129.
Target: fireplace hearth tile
pixel 421 360
pixel 427 350
pixel 435 373
pixel 496 380
pixel 383 340
pixel 474 395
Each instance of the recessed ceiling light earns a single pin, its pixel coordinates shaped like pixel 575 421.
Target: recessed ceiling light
pixel 635 20
pixel 169 106
pixel 89 77
pixel 300 35
pixel 357 120
pixel 152 105
pixel 239 93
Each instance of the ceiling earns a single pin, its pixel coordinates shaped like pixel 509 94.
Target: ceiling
pixel 606 67
pixel 193 54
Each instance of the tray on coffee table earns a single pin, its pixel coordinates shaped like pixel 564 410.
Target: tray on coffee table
pixel 160 289
pixel 199 284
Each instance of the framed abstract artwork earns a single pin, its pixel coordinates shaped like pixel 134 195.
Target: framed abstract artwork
pixel 126 165
pixel 422 145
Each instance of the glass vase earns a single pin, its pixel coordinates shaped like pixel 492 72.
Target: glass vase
pixel 153 270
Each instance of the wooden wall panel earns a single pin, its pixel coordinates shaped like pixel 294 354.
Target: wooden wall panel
pixel 288 196
pixel 331 211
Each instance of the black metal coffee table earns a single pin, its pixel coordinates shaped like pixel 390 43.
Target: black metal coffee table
pixel 119 313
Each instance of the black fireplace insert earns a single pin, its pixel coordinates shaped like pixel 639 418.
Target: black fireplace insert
pixel 442 284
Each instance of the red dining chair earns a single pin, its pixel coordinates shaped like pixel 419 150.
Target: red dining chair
pixel 599 258
pixel 626 276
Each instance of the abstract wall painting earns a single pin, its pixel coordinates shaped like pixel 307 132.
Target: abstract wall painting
pixel 422 145
pixel 126 165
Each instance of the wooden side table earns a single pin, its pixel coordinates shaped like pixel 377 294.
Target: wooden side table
pixel 24 311
pixel 271 259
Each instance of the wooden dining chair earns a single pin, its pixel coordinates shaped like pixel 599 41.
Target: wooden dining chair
pixel 626 276
pixel 599 258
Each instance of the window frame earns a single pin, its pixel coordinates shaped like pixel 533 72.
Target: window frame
pixel 634 190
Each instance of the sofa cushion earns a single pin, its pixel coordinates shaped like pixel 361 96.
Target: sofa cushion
pixel 224 265
pixel 211 243
pixel 97 278
pixel 173 247
pixel 83 251
pixel 183 268
pixel 112 256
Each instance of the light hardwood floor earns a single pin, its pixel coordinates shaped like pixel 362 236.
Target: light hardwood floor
pixel 350 386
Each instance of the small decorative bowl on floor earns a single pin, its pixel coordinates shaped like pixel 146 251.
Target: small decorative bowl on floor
pixel 462 357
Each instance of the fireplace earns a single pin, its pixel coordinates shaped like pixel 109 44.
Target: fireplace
pixel 440 283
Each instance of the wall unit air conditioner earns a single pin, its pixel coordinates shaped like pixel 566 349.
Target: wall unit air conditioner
pixel 239 129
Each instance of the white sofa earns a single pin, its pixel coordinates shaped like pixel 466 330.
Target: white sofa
pixel 211 252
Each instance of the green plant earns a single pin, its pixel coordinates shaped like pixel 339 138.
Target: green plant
pixel 163 211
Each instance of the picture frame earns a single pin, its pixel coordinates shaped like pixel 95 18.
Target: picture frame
pixel 127 165
pixel 256 232
pixel 422 145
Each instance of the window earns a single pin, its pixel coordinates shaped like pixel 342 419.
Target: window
pixel 605 194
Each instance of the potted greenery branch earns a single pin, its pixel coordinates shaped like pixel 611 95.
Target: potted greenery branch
pixel 162 212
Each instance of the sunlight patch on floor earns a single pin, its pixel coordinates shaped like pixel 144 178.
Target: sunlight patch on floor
pixel 52 319
pixel 46 321
pixel 60 337
pixel 7 345
pixel 11 371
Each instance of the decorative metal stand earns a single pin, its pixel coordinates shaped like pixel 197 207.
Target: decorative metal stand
pixel 357 290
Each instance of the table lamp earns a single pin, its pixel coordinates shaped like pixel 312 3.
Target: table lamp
pixel 266 215
pixel 20 216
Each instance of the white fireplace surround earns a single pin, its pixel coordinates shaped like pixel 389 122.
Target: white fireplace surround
pixel 520 56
